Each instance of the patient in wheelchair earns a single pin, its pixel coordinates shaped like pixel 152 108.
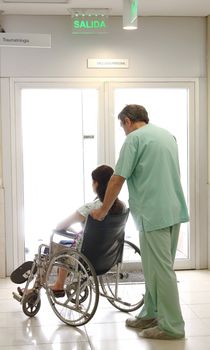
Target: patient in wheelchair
pixel 100 178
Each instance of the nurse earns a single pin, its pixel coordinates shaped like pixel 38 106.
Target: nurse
pixel 149 162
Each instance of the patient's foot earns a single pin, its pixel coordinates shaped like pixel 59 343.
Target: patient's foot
pixel 57 290
pixel 21 291
pixel 59 293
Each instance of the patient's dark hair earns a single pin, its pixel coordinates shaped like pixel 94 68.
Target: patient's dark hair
pixel 102 175
pixel 135 113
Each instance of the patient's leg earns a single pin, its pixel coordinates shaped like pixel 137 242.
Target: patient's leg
pixel 59 283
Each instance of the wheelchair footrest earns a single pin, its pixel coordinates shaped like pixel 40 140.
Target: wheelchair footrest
pixel 21 274
pixel 17 297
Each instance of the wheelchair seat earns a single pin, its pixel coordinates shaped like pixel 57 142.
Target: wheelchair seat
pixel 103 241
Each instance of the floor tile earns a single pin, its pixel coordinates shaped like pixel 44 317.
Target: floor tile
pixel 106 330
pixel 196 327
pixel 25 335
pixel 53 346
pixel 201 310
pixel 110 331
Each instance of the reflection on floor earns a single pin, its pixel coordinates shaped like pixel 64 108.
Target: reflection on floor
pixel 106 331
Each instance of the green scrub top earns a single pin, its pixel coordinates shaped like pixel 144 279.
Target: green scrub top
pixel 149 162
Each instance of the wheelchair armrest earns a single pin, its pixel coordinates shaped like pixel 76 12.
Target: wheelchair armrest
pixel 65 233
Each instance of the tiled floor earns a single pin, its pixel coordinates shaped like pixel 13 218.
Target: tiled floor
pixel 106 331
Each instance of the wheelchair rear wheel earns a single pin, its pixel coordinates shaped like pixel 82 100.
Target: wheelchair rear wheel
pixel 79 301
pixel 123 285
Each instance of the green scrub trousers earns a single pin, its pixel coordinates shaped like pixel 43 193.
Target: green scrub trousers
pixel 161 300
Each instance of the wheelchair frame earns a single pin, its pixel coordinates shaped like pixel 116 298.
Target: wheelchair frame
pixel 82 285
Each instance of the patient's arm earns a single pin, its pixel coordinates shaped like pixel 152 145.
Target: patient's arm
pixel 70 220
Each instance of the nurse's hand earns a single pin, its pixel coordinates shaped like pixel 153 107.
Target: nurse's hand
pixel 98 214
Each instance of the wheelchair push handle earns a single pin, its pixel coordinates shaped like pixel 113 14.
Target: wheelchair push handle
pixel 70 236
pixel 65 233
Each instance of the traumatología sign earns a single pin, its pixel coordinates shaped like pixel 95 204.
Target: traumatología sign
pixel 25 40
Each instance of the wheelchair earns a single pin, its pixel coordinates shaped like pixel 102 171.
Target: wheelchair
pixel 107 265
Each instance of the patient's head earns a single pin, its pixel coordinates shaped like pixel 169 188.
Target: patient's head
pixel 101 176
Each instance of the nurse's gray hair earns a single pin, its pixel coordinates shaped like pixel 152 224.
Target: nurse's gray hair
pixel 135 113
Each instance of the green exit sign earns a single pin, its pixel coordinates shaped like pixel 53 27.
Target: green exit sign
pixel 90 25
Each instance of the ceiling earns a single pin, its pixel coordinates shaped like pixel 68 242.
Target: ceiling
pixel 115 7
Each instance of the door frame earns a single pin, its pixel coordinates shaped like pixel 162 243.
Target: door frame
pixel 192 86
pixel 12 163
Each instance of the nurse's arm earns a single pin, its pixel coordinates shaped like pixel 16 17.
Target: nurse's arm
pixel 113 189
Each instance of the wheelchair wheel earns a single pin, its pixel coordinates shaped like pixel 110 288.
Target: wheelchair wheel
pixel 31 304
pixel 71 290
pixel 79 302
pixel 123 285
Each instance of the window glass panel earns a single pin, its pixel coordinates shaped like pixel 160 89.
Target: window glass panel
pixel 90 115
pixel 53 122
pixel 167 108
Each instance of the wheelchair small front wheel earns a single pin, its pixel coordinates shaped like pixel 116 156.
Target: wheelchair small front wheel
pixel 31 304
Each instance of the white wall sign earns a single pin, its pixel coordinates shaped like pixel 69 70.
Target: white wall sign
pixel 107 63
pixel 25 40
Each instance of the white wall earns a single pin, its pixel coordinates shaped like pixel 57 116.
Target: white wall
pixel 162 47
pixel 208 125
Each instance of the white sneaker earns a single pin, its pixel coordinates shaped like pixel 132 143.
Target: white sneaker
pixel 157 333
pixel 141 323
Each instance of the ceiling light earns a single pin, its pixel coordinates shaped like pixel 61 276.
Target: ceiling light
pixel 130 14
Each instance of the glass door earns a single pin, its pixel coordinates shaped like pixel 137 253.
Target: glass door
pixel 169 107
pixel 59 148
pixel 54 137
